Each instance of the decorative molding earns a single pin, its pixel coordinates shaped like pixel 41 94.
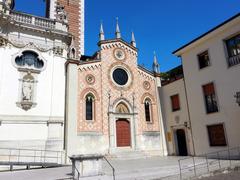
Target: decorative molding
pixel 27 91
pixel 28 118
pixel 30 45
pixel 90 67
pixel 26 105
pixel 89 90
pixel 120 50
pixel 128 70
pixel 145 75
pixel 90 79
pixel 118 43
pixel 3 41
pixel 122 100
pixel 147 95
pixel 28 68
pixel 58 50
pixel 146 85
pixel 55 122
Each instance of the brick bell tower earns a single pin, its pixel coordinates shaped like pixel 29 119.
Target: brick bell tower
pixel 74 11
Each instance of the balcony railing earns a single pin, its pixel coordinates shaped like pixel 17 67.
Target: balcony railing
pixel 234 60
pixel 33 20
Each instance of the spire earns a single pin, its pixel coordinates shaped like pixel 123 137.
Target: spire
pixel 117 33
pixel 155 64
pixel 133 41
pixel 101 34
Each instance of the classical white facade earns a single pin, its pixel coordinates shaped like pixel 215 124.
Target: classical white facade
pixel 33 53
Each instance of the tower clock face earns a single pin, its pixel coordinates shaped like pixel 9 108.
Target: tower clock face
pixel 119 54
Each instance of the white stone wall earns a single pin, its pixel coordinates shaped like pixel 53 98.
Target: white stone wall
pixel 226 82
pixel 42 125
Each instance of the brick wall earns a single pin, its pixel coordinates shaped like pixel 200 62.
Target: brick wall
pixel 75 14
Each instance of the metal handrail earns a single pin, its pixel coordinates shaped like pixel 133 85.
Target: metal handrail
pixel 216 157
pixel 31 149
pixel 113 169
pixel 17 155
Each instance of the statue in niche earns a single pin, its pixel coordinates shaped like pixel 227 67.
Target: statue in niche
pixel 27 91
pixel 27 88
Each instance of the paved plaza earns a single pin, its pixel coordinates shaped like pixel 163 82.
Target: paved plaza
pixel 147 168
pixel 151 168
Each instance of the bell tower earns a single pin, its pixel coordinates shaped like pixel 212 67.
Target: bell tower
pixel 74 11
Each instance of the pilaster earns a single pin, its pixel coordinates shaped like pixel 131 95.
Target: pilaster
pixel 70 129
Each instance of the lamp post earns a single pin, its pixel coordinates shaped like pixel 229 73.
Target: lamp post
pixel 237 96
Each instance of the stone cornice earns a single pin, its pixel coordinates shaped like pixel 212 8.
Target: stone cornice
pixel 72 61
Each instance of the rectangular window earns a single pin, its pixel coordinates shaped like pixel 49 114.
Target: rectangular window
pixel 210 98
pixel 216 135
pixel 175 102
pixel 233 49
pixel 203 60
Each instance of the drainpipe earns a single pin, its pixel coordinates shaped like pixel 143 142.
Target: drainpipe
pixel 134 123
pixel 189 118
pixel 109 126
pixel 162 127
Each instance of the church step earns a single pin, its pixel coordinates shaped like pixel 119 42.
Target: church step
pixel 133 155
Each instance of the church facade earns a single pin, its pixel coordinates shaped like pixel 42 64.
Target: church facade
pixel 113 102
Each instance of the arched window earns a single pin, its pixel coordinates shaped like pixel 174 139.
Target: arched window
pixel 147 108
pixel 29 60
pixel 89 107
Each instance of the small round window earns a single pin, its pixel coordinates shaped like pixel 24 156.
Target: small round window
pixel 120 76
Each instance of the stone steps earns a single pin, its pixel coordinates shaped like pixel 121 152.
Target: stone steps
pixel 126 155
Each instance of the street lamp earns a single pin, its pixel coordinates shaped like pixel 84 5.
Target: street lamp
pixel 237 96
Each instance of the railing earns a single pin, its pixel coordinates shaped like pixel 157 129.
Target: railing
pixel 234 60
pixel 33 20
pixel 196 166
pixel 113 169
pixel 31 156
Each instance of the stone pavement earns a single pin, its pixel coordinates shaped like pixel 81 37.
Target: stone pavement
pixel 228 176
pixel 135 169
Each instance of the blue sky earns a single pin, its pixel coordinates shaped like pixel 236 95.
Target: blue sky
pixel 160 26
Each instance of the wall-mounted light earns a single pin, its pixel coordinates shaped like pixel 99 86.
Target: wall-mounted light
pixel 237 96
pixel 187 125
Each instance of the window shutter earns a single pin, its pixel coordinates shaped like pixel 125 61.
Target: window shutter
pixel 208 89
pixel 175 102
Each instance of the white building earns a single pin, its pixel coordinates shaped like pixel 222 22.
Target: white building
pixel 175 114
pixel 211 74
pixel 33 53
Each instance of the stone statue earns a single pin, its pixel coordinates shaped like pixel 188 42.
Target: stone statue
pixel 27 90
pixel 61 13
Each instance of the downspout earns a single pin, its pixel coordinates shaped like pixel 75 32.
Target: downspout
pixel 134 123
pixel 189 118
pixel 109 126
pixel 161 124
